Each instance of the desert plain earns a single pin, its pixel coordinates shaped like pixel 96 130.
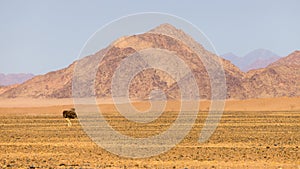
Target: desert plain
pixel 254 133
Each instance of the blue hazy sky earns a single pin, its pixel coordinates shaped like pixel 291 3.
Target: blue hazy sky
pixel 41 36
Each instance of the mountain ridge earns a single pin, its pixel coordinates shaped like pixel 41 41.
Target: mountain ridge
pixel 14 78
pixel 272 81
pixel 256 59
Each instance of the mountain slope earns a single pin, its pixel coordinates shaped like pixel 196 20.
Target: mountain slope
pixel 260 63
pixel 259 58
pixel 292 59
pixel 56 84
pixel 278 79
pixel 6 88
pixel 233 58
pixel 256 59
pixel 12 79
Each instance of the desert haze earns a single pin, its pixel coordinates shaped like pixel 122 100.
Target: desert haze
pixel 259 127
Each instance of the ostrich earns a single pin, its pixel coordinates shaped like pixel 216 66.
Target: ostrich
pixel 69 114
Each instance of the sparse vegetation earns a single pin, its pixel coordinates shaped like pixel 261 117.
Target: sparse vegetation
pixel 240 141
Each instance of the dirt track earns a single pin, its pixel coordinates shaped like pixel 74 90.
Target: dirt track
pixel 242 140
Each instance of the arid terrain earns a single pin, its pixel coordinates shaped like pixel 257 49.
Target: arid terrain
pixel 157 84
pixel 259 127
pixel 278 79
pixel 250 135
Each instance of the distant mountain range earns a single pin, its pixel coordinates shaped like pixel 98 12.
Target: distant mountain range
pixel 279 79
pixel 259 58
pixel 12 79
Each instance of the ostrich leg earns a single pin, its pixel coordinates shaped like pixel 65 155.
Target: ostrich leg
pixel 69 122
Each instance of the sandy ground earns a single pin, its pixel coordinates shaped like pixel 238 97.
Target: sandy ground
pixel 258 133
pixel 24 106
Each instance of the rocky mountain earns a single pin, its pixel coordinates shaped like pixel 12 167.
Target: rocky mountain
pixel 281 78
pixel 146 81
pixel 273 81
pixel 6 88
pixel 233 58
pixel 12 79
pixel 56 84
pixel 259 58
pixel 291 60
